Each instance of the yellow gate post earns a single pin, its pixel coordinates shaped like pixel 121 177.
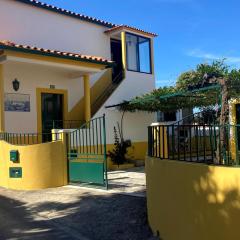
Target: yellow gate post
pixel 233 129
pixel 87 98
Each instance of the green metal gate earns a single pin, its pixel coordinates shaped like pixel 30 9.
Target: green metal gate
pixel 87 156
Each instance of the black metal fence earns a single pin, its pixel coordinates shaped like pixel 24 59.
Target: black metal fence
pixel 207 117
pixel 64 124
pixel 195 143
pixel 90 139
pixel 29 138
pixel 37 138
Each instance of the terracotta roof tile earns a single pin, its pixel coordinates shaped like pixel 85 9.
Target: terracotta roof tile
pixel 112 26
pixel 55 53
pixel 67 12
pixel 117 28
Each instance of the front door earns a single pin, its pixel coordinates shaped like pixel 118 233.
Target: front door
pixel 52 110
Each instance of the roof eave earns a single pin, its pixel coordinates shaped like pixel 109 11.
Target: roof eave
pixel 48 54
pixel 130 29
pixel 68 13
pixel 85 18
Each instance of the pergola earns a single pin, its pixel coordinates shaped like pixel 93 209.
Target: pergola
pixel 202 96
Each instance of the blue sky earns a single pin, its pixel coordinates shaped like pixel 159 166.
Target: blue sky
pixel 190 31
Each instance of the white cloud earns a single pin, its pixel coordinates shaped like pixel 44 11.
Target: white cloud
pixel 210 56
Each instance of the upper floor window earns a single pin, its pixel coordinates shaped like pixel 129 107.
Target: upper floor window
pixel 138 53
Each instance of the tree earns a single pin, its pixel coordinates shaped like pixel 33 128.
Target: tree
pixel 204 87
pixel 182 95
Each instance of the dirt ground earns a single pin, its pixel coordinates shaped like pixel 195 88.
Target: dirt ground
pixel 77 213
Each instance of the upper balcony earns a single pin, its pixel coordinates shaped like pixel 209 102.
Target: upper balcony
pixel 136 48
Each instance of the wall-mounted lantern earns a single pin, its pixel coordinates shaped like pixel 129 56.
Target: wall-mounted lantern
pixel 16 85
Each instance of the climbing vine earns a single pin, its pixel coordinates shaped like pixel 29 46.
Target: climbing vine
pixel 201 87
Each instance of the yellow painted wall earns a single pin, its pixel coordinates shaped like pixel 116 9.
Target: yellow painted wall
pixel 161 151
pixel 137 151
pixel 124 50
pixel 43 166
pixel 77 113
pixel 98 88
pixel 51 59
pixel 233 130
pixel 188 201
pixel 152 55
pixel 87 98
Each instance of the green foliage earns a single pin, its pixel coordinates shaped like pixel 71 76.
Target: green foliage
pixel 208 115
pixel 186 79
pixel 217 69
pixel 234 82
pixel 179 96
pixel 118 155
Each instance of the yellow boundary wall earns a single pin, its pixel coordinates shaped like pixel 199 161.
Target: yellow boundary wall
pixel 233 131
pixel 189 201
pixel 43 166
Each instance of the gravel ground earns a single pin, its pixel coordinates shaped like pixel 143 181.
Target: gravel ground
pixel 73 213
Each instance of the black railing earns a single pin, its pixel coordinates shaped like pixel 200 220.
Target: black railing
pixel 37 138
pixel 89 140
pixel 29 138
pixel 204 117
pixel 64 124
pixel 195 143
pixel 107 92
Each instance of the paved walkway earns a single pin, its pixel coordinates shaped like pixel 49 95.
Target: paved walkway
pixel 127 182
pixel 132 182
pixel 77 213
pixel 20 223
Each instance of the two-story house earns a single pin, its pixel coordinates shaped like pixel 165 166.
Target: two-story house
pixel 60 66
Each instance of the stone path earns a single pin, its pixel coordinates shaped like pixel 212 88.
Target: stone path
pixel 132 182
pixel 128 182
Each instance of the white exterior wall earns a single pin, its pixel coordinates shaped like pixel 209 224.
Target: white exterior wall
pixel 134 124
pixel 33 76
pixel 25 24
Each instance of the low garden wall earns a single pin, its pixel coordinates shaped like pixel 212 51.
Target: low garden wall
pixel 189 201
pixel 37 167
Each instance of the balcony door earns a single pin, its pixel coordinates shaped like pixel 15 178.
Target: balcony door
pixel 116 52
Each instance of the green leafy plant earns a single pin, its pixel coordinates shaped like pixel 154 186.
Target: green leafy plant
pixel 209 85
pixel 118 154
pixel 179 95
